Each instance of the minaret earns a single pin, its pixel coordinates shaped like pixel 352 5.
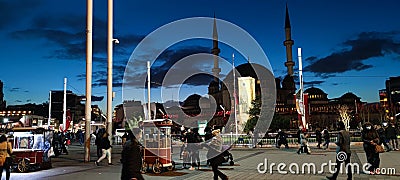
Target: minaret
pixel 288 43
pixel 215 51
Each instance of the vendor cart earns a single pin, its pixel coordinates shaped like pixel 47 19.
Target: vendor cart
pixel 157 152
pixel 31 148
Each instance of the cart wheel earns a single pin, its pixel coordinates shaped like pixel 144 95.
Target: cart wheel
pixel 23 165
pixel 157 167
pixel 172 167
pixel 144 167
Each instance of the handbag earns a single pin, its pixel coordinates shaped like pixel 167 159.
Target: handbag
pixel 379 149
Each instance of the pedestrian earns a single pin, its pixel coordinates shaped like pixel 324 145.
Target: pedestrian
pixel 299 131
pixel 191 147
pixel 281 139
pixel 318 137
pixel 327 138
pixel 124 138
pixel 370 139
pixel 342 148
pixel 391 134
pixel 304 143
pixel 382 137
pixel 79 135
pixel 98 134
pixel 195 145
pixel 63 142
pixel 207 137
pixel 215 156
pixel 105 146
pixel 131 156
pixel 5 156
pixel 183 139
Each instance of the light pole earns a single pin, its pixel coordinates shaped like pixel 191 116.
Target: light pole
pixel 89 57
pixel 110 41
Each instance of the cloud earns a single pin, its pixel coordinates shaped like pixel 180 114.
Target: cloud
pixel 15 10
pixel 14 89
pixel 312 83
pixel 70 43
pixel 64 33
pixel 165 62
pixel 168 58
pixel 354 53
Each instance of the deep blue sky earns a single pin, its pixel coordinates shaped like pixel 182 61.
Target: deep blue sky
pixel 348 46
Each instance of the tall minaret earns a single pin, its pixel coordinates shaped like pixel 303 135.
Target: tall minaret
pixel 215 51
pixel 288 43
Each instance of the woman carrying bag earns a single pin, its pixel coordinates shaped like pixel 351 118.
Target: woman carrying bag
pixel 215 156
pixel 5 156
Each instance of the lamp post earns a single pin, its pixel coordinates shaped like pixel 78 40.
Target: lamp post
pixel 110 41
pixel 89 57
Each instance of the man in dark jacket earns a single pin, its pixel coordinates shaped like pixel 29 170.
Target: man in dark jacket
pixel 391 134
pixel 131 157
pixel 343 151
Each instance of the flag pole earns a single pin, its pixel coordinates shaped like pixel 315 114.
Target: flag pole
pixel 49 120
pixel 148 91
pixel 301 104
pixel 234 94
pixel 65 105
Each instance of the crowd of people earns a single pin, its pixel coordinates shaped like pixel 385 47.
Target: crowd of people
pixel 132 160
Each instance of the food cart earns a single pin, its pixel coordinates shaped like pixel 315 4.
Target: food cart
pixel 157 145
pixel 31 148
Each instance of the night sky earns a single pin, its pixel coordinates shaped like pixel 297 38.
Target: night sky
pixel 348 46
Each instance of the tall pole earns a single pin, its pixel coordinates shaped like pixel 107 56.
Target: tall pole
pixel 109 68
pixel 148 91
pixel 234 94
pixel 301 104
pixel 49 120
pixel 65 106
pixel 89 56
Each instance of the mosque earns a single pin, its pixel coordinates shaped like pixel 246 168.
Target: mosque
pixel 322 111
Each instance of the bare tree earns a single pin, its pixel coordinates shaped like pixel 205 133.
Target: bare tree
pixel 344 113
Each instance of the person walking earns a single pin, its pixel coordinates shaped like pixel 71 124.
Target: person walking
pixel 98 134
pixel 318 137
pixel 131 156
pixel 63 142
pixel 327 138
pixel 382 137
pixel 194 144
pixel 371 139
pixel 79 135
pixel 391 134
pixel 215 156
pixel 281 139
pixel 5 156
pixel 105 146
pixel 342 148
pixel 304 144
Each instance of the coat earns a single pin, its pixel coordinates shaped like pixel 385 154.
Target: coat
pixel 214 153
pixel 343 142
pixel 5 151
pixel 131 159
